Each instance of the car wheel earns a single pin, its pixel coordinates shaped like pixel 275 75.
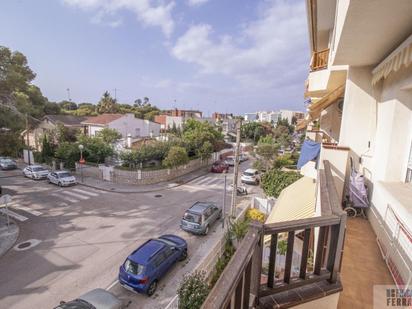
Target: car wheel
pixel 60 184
pixel 207 230
pixel 183 256
pixel 152 288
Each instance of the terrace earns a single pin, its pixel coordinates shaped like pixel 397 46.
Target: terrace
pixel 244 283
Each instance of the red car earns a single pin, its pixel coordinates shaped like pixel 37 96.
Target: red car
pixel 219 167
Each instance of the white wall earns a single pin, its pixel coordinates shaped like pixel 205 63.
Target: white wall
pixel 94 129
pixel 129 124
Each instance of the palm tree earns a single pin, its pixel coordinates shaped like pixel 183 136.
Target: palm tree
pixel 106 104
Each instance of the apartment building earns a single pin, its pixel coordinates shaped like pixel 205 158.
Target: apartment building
pixel 359 120
pixel 183 113
pixel 360 85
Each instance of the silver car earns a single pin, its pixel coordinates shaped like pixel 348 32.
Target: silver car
pixel 7 164
pixel 198 218
pixel 61 178
pixel 95 299
pixel 35 172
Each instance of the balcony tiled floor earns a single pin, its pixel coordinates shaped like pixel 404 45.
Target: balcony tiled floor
pixel 362 266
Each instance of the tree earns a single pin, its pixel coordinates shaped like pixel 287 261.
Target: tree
pixel 252 131
pixel 52 108
pixel 274 181
pixel 109 135
pixel 205 150
pixel 106 104
pixel 138 103
pixel 176 156
pixel 196 133
pixel 68 105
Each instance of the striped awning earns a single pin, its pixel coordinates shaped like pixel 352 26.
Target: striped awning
pixel 296 201
pixel 401 56
pixel 317 107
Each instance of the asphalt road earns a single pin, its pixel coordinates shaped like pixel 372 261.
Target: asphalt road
pixel 82 235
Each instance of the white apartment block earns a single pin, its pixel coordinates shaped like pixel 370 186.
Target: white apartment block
pixel 360 83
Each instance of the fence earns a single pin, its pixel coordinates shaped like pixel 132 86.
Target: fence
pixel 142 177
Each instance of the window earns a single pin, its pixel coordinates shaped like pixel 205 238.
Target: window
pixel 159 259
pixel 409 167
pixel 207 213
pixel 133 268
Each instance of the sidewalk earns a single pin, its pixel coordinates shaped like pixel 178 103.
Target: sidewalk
pixel 9 236
pixel 124 188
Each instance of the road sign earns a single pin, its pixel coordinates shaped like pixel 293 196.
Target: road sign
pixel 4 199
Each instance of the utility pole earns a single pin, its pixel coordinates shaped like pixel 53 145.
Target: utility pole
pixel 236 168
pixel 224 205
pixel 68 94
pixel 115 94
pixel 27 139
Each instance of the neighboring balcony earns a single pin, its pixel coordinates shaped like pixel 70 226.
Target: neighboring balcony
pixel 312 280
pixel 322 76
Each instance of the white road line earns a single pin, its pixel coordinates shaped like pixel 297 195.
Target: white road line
pixel 86 192
pixel 202 181
pixel 28 209
pixel 14 215
pixel 65 197
pixel 96 191
pixel 112 285
pixel 211 181
pixel 82 197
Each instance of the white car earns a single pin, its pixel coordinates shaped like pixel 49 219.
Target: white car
pixel 35 172
pixel 230 160
pixel 250 176
pixel 61 178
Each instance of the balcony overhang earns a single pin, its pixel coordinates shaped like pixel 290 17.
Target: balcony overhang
pixel 370 30
pixel 321 82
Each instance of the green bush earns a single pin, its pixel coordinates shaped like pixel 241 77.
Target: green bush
pixel 193 290
pixel 176 156
pixel 274 181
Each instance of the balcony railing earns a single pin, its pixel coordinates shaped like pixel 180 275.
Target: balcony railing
pixel 319 60
pixel 240 284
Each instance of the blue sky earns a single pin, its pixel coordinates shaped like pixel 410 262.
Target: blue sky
pixel 214 55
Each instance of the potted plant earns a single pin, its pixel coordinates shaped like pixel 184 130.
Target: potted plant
pixel 237 230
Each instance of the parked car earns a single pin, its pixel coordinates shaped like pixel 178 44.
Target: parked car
pixel 250 176
pixel 198 218
pixel 143 269
pixel 219 167
pixel 61 178
pixel 94 299
pixel 35 172
pixel 230 160
pixel 8 164
pixel 243 158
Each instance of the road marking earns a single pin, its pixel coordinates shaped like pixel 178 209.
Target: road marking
pixel 86 192
pixel 14 215
pixel 82 197
pixel 112 285
pixel 201 181
pixel 65 197
pixel 63 204
pixel 27 209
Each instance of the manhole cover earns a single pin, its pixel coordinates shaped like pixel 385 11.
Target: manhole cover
pixel 25 245
pixel 158 195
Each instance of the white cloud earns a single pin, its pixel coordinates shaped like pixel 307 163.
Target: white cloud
pixel 196 2
pixel 268 52
pixel 148 12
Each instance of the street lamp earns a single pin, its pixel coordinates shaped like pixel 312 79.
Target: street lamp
pixel 81 161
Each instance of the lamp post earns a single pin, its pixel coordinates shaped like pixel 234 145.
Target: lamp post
pixel 81 161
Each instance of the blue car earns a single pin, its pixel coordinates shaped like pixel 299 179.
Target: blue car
pixel 143 268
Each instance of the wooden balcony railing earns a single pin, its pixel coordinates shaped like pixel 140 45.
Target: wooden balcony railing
pixel 319 60
pixel 240 282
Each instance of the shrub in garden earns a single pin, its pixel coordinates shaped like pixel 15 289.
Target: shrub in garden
pixel 255 215
pixel 193 290
pixel 274 181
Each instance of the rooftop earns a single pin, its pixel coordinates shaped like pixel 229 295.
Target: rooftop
pixel 67 120
pixel 102 119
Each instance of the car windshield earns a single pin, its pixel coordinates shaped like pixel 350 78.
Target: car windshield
pixel 248 174
pixel 63 175
pixel 132 267
pixel 38 169
pixel 191 217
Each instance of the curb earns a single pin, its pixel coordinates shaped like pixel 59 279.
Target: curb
pixel 142 191
pixel 15 241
